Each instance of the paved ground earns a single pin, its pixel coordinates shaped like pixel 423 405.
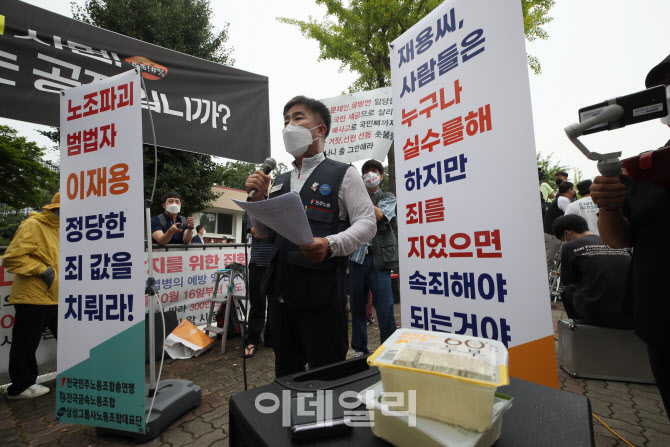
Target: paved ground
pixel 634 411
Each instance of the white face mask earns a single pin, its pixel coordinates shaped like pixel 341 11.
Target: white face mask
pixel 173 208
pixel 666 119
pixel 297 139
pixel 371 180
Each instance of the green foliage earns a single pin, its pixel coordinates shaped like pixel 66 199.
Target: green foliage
pixel 234 173
pixel 25 180
pixel 359 35
pixel 535 15
pixel 180 25
pixel 9 223
pixel 191 175
pixel 551 168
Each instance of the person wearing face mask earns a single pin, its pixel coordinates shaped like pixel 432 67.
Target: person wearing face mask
pixel 199 235
pixel 560 177
pixel 370 266
pixel 634 212
pixel 32 257
pixel 596 276
pixel 306 285
pixel 170 227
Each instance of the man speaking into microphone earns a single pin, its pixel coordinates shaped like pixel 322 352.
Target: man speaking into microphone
pixel 306 284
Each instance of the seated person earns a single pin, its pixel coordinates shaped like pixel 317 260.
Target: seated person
pixel 595 276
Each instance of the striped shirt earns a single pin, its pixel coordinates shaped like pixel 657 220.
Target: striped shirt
pixel 261 249
pixel 388 209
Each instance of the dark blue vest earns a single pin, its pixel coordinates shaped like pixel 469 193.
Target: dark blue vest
pixel 300 283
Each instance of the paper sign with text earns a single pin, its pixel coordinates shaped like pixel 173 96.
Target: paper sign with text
pixel 361 126
pixel 470 230
pixel 185 280
pixel 101 307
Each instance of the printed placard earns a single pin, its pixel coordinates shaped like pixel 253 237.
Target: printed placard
pixel 470 230
pixel 361 126
pixel 100 307
pixel 185 280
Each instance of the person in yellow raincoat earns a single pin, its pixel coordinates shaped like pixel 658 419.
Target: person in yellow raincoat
pixel 32 257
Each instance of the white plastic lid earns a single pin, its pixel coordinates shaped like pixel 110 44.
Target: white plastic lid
pixel 461 357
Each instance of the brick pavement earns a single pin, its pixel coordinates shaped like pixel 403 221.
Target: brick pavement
pixel 634 411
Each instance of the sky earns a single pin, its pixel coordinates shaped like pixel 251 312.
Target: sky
pixel 597 50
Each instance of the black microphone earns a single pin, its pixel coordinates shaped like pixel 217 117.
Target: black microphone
pixel 268 165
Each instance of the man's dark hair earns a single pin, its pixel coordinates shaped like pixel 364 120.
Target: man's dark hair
pixel 571 222
pixel 541 173
pixel 565 187
pixel 316 106
pixel 373 164
pixel 563 173
pixel 198 228
pixel 170 195
pixel 584 187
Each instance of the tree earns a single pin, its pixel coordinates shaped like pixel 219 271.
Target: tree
pixel 180 25
pixel 191 175
pixel 359 36
pixel 552 168
pixel 535 15
pixel 26 181
pixel 234 173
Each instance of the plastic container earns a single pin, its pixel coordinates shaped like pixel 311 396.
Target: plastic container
pixel 455 377
pixel 396 428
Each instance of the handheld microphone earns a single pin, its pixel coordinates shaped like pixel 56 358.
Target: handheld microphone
pixel 268 165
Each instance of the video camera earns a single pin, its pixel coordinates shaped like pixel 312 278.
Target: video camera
pixel 616 113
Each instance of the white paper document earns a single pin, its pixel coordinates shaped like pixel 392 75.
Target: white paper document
pixel 285 214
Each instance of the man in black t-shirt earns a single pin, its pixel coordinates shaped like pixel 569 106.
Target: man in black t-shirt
pixel 596 276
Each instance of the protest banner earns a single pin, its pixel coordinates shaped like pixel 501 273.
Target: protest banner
pixel 470 233
pixel 101 272
pixel 185 280
pixel 361 126
pixel 197 105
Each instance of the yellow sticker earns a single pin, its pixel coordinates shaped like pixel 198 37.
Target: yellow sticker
pixel 2 24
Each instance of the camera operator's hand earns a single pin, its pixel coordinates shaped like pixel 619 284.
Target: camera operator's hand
pixel 174 229
pixel 608 192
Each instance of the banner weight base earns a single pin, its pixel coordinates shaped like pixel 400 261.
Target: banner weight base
pixel 173 398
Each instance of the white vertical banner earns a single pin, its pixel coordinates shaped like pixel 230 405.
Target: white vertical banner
pixel 102 271
pixel 361 125
pixel 470 233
